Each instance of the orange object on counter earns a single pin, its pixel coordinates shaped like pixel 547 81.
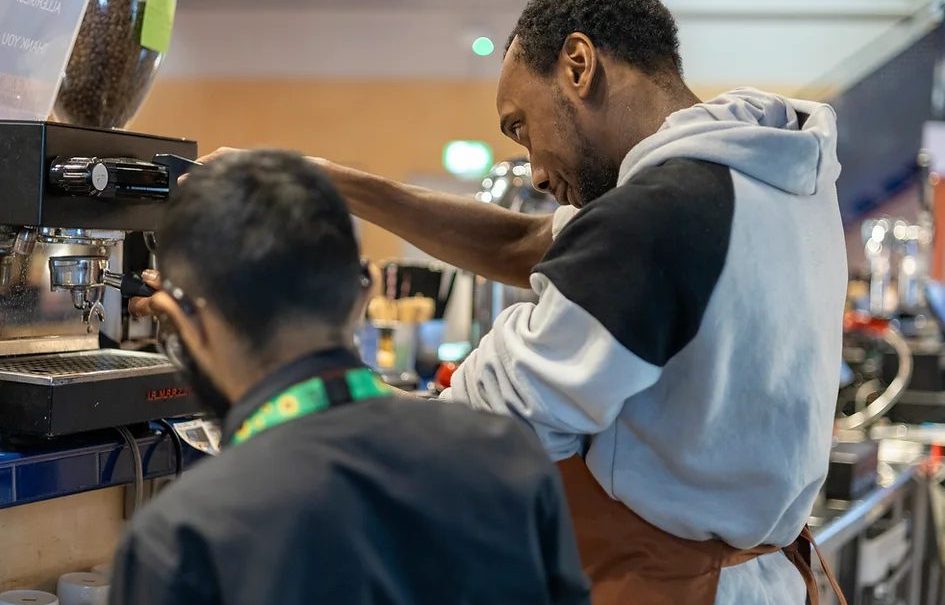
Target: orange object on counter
pixel 934 462
pixel 856 320
pixel 444 375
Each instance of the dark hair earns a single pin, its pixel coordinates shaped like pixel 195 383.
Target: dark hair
pixel 640 32
pixel 264 237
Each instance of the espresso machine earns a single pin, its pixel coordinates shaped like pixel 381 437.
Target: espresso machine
pixel 508 185
pixel 78 208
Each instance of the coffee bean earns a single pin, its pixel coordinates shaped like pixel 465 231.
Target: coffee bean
pixel 109 73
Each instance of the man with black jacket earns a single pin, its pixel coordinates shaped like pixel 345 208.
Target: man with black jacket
pixel 330 488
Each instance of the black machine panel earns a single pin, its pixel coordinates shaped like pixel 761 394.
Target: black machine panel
pixel 56 395
pixel 28 151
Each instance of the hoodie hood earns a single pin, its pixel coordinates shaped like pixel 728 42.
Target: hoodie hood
pixel 788 144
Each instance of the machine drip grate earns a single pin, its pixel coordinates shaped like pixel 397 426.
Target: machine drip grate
pixel 69 365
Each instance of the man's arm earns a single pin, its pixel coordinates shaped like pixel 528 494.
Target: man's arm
pixel 485 239
pixel 490 241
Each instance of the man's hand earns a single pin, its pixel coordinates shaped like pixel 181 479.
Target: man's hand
pixel 141 306
pixel 322 163
pixel 219 153
pixel 216 155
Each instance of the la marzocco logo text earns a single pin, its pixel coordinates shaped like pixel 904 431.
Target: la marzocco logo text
pixel 169 393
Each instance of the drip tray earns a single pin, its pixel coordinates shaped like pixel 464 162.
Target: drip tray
pixel 66 393
pixel 85 366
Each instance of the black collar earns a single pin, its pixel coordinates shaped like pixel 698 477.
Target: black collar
pixel 294 372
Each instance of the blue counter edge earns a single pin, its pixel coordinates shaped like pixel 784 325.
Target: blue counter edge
pixel 56 469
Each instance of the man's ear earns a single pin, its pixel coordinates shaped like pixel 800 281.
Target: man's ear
pixel 370 288
pixel 579 63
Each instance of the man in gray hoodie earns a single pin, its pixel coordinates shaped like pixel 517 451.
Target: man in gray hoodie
pixel 685 346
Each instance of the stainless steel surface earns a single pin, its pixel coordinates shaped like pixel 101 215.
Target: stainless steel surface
pixel 80 237
pixel 876 242
pixel 509 186
pixel 25 241
pixel 842 527
pixel 93 312
pixel 878 545
pixel 150 241
pixel 77 272
pixel 82 366
pixel 49 344
pixel 880 406
pixel 84 277
pixel 912 270
pixel 34 317
pixel 920 520
pixel 6 269
pixel 7 239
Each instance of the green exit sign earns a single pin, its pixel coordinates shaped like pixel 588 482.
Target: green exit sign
pixel 467 159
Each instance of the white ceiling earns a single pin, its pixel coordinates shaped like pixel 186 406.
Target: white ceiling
pixel 786 43
pixel 788 8
pixel 451 5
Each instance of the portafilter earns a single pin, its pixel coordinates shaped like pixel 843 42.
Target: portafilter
pixel 83 274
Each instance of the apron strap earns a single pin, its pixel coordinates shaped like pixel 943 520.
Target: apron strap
pixel 808 536
pixel 800 554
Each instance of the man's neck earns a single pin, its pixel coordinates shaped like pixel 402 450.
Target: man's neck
pixel 638 109
pixel 248 370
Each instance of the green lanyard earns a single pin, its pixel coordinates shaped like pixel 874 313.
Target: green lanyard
pixel 309 397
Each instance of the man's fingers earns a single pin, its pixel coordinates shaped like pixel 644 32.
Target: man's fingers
pixel 219 153
pixel 152 278
pixel 210 157
pixel 143 306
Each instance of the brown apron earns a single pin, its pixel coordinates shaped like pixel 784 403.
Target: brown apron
pixel 631 562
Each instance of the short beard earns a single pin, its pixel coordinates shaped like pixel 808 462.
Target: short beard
pixel 210 398
pixel 596 176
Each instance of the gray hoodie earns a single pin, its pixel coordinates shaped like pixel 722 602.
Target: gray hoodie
pixel 688 331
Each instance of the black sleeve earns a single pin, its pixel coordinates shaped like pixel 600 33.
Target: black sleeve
pixel 139 579
pixel 567 584
pixel 644 259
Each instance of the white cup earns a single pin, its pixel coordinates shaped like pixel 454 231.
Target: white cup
pixel 83 588
pixel 28 597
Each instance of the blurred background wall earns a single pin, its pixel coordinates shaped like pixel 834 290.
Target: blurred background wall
pixel 384 84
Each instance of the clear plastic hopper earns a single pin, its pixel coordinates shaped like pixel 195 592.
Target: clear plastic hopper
pixel 36 39
pixel 85 63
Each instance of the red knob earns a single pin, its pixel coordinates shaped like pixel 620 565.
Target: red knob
pixel 856 321
pixel 444 375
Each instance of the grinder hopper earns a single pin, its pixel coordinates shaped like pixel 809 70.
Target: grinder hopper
pixel 111 69
pixel 108 65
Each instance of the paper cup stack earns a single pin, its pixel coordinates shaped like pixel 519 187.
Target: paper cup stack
pixel 28 597
pixel 83 588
